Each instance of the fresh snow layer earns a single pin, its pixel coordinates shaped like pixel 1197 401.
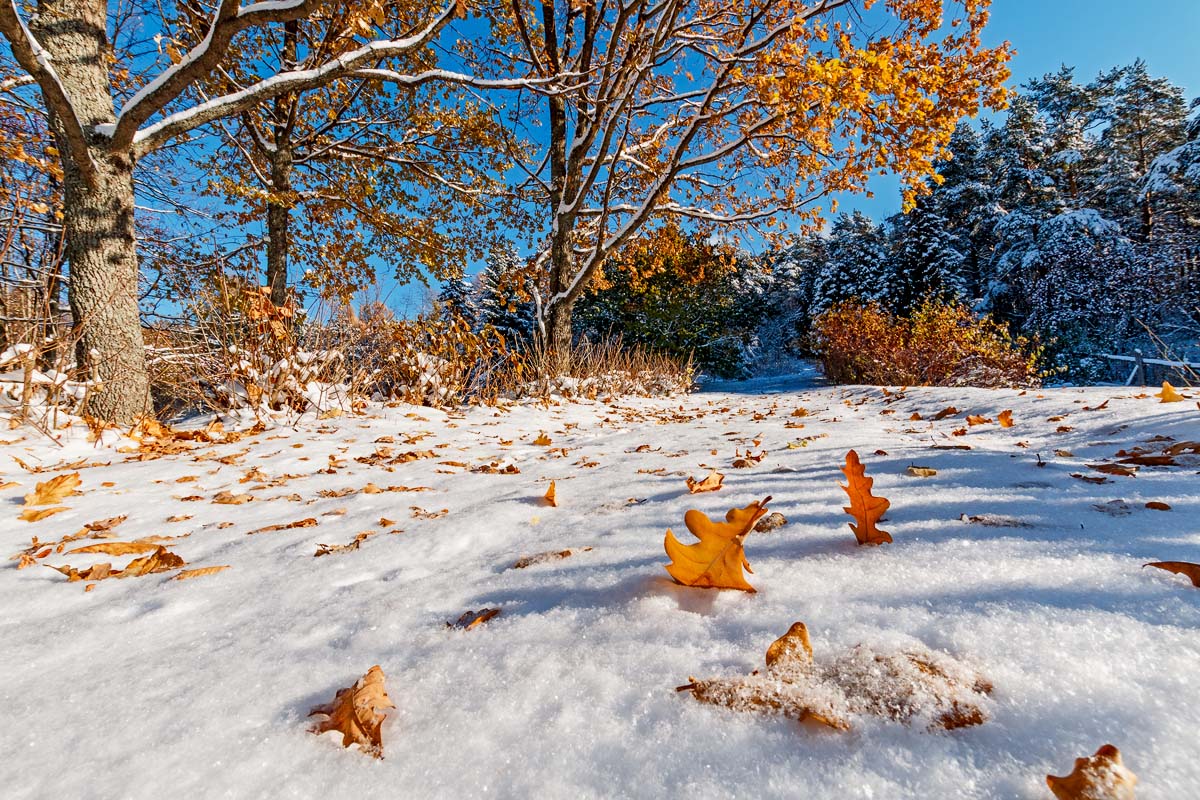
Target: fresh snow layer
pixel 148 687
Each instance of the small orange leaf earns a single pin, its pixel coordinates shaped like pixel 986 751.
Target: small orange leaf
pixel 1098 777
pixel 1187 568
pixel 864 507
pixel 550 496
pixel 711 483
pixel 1157 505
pixel 1005 418
pixel 718 558
pixel 543 440
pixel 116 548
pixel 198 572
pixel 356 713
pixel 978 419
pixel 948 411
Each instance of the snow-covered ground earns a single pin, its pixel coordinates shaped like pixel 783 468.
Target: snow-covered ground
pixel 150 687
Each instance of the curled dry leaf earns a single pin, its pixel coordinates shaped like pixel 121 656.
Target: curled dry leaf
pixel 356 713
pixel 102 525
pixel 327 549
pixel 1186 568
pixel 543 440
pixel 116 548
pixel 55 490
pixel 978 419
pixel 543 558
pixel 550 498
pixel 948 411
pixel 161 560
pixel 1099 777
pixel 915 685
pixel 717 560
pixel 198 572
pixel 1005 418
pixel 711 483
pixel 770 522
pixel 1156 505
pixel 864 507
pixel 473 619
pixel 228 498
pixel 921 472
pixel 310 522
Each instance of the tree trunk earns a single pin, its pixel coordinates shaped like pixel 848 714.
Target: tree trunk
pixel 279 212
pixel 558 334
pixel 103 291
pixel 98 215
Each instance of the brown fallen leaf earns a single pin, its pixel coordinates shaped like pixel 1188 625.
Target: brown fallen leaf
pixel 948 411
pixel 326 549
pixel 356 713
pixel 473 619
pixel 161 560
pixel 102 525
pixel 711 483
pixel 543 558
pixel 550 498
pixel 543 440
pixel 921 472
pixel 900 686
pixel 55 490
pixel 198 572
pixel 716 561
pixel 1090 478
pixel 228 498
pixel 116 548
pixel 1098 777
pixel 1115 469
pixel 310 522
pixel 1005 418
pixel 864 507
pixel 39 514
pixel 1186 568
pixel 978 419
pixel 1157 505
pixel 770 522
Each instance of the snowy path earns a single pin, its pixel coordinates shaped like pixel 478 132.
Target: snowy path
pixel 149 687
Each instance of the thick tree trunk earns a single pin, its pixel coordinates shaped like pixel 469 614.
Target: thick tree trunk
pixel 279 212
pixel 103 291
pixel 98 214
pixel 558 334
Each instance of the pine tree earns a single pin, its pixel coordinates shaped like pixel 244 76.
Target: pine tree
pixel 857 254
pixel 926 262
pixel 457 299
pixel 505 297
pixel 965 199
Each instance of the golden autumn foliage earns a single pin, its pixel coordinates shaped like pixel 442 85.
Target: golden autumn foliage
pixel 864 507
pixel 717 560
pixel 356 712
pixel 1102 776
pixel 54 490
pixel 938 344
pixel 709 483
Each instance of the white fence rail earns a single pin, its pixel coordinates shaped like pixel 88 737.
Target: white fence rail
pixel 1138 375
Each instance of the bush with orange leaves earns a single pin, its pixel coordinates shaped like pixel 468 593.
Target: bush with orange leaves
pixel 939 344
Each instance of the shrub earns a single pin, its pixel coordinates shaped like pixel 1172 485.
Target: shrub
pixel 940 343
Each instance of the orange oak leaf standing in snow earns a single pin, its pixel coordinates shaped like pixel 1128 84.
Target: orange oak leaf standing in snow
pixel 1192 571
pixel 1005 419
pixel 716 561
pixel 864 507
pixel 1098 777
pixel 356 713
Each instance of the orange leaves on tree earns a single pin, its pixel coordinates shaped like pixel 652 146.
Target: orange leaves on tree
pixel 710 483
pixel 356 713
pixel 864 507
pixel 1098 777
pixel 717 560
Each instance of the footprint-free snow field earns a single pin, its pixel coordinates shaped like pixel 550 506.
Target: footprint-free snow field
pixel 1021 557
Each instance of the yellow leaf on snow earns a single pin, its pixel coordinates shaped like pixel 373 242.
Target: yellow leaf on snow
pixel 717 560
pixel 1005 418
pixel 864 507
pixel 551 498
pixel 356 713
pixel 39 514
pixel 1098 777
pixel 711 483
pixel 543 440
pixel 116 548
pixel 55 490
pixel 1169 394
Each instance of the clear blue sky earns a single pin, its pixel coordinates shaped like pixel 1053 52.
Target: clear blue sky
pixel 1090 35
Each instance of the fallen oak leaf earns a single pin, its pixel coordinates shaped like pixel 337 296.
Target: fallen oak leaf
pixel 1098 777
pixel 356 713
pixel 978 419
pixel 55 490
pixel 948 411
pixel 1005 418
pixel 1158 505
pixel 717 560
pixel 116 548
pixel 543 440
pixel 864 507
pixel 551 497
pixel 310 522
pixel 326 549
pixel 473 619
pixel 1186 568
pixel 543 558
pixel 711 483
pixel 921 472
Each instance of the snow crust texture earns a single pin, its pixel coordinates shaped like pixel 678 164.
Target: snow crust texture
pixel 150 687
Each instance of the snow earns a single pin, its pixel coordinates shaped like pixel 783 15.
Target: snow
pixel 148 687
